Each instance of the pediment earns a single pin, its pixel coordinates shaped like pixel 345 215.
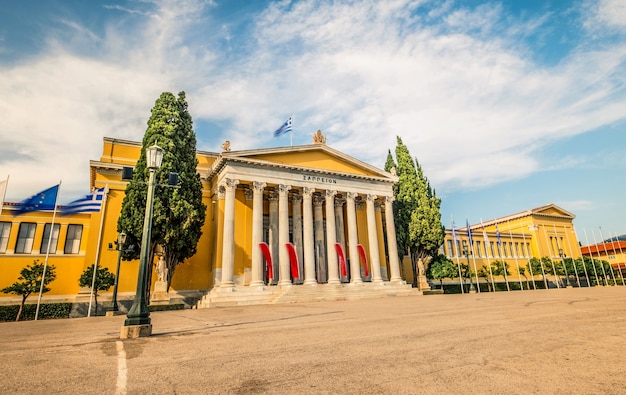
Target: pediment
pixel 317 157
pixel 552 210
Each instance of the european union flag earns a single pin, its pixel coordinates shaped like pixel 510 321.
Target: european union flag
pixel 44 200
pixel 286 127
pixel 90 203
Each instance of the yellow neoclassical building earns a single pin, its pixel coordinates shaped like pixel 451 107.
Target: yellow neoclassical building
pixel 282 224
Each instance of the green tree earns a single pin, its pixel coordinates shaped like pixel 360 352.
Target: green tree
pixel 416 208
pixel 103 281
pixel 29 281
pixel 536 266
pixel 500 268
pixel 179 213
pixel 441 267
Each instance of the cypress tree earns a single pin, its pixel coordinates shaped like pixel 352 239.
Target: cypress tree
pixel 178 214
pixel 419 230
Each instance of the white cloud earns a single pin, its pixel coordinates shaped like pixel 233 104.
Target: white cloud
pixel 463 94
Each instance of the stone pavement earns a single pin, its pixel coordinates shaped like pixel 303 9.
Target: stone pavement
pixel 557 341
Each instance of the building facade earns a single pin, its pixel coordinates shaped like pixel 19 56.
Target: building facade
pixel 279 218
pixel 288 222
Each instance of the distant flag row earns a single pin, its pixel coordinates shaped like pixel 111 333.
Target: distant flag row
pixel 47 199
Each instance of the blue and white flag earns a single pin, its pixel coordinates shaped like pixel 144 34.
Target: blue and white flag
pixel 469 234
pixel 90 203
pixel 498 235
pixel 44 200
pixel 286 127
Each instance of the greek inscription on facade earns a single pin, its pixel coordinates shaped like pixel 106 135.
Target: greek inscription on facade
pixel 324 180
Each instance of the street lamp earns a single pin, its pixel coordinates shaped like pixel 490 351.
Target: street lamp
pixel 137 323
pixel 121 240
pixel 563 256
pixel 467 254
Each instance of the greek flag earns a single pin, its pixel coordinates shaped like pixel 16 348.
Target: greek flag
pixel 285 127
pixel 90 203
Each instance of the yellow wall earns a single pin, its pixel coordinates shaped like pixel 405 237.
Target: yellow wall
pixel 69 267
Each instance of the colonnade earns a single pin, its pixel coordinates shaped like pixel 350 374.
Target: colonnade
pixel 308 233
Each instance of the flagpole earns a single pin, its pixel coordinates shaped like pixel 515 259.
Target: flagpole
pixel 551 254
pixel 543 270
pixel 573 260
pixel 487 255
pixel 471 242
pixel 291 133
pixel 519 276
pixel 503 258
pixel 95 263
pixel 456 254
pixel 593 261
pixel 562 256
pixel 582 257
pixel 604 245
pixel 45 263
pixel 619 267
pixel 599 258
pixel 4 195
pixel 528 255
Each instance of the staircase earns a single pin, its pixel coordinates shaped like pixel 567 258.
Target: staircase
pixel 244 296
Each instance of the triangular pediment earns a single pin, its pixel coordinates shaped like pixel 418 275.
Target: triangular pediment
pixel 552 210
pixel 307 157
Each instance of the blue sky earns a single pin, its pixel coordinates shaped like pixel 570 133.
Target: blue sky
pixel 507 105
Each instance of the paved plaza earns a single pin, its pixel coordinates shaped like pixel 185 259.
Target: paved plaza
pixel 557 341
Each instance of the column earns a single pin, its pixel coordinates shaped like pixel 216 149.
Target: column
pixel 339 226
pixel 392 243
pixel 296 218
pixel 320 248
pixel 283 234
pixel 308 241
pixel 373 239
pixel 257 233
pixel 353 240
pixel 273 235
pixel 331 238
pixel 228 246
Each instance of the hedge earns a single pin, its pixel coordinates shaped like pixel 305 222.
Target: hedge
pixel 46 311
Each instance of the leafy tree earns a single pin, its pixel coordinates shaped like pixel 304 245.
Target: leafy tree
pixel 483 272
pixel 103 281
pixel 416 208
pixel 29 281
pixel 522 272
pixel 441 267
pixel 535 265
pixel 179 213
pixel 500 268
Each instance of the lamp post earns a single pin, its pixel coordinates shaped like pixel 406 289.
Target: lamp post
pixel 467 254
pixel 563 256
pixel 137 323
pixel 121 240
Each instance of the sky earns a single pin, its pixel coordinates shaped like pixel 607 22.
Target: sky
pixel 507 105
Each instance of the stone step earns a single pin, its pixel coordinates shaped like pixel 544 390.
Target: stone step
pixel 241 296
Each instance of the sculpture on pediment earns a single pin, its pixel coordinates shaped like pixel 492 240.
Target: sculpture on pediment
pixel 226 146
pixel 393 171
pixel 319 138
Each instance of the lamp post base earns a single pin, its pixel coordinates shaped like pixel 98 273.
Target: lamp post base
pixel 135 331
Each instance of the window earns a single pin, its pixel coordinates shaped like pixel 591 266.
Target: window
pixel 25 238
pixel 54 241
pixel 72 241
pixel 478 254
pixel 450 250
pixel 5 230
